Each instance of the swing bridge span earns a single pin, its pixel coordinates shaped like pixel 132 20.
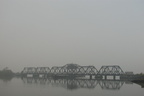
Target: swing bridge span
pixel 76 71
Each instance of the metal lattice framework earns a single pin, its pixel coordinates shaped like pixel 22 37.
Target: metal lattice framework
pixel 29 70
pixel 38 70
pixel 42 70
pixel 68 69
pixel 111 70
pixel 74 69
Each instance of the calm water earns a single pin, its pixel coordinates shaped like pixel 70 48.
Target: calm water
pixel 63 87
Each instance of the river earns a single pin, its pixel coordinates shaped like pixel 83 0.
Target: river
pixel 68 87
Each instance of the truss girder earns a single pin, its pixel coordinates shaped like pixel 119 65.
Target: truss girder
pixel 29 70
pixel 36 70
pixel 69 69
pixel 110 70
pixel 74 69
pixel 42 70
pixel 78 70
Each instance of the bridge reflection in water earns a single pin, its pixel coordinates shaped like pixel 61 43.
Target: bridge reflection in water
pixel 72 84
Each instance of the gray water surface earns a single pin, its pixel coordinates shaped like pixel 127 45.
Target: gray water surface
pixel 68 87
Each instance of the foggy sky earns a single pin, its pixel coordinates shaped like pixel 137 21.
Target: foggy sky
pixel 37 33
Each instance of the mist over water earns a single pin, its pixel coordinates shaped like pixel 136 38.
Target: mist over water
pixel 48 33
pixel 77 87
pixel 41 33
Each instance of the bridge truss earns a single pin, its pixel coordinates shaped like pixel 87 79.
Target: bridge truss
pixel 73 70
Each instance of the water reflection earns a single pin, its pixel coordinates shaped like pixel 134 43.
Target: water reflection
pixel 140 83
pixel 111 85
pixel 72 84
pixel 6 79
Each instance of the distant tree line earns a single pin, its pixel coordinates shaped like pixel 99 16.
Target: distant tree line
pixel 6 73
pixel 140 73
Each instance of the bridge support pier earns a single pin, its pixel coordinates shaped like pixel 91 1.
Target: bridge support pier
pixel 114 77
pixel 24 75
pixel 98 76
pixel 105 77
pixel 45 75
pixel 90 76
pixel 35 75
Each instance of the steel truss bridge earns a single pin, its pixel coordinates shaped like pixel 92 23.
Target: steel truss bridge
pixel 72 84
pixel 75 70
